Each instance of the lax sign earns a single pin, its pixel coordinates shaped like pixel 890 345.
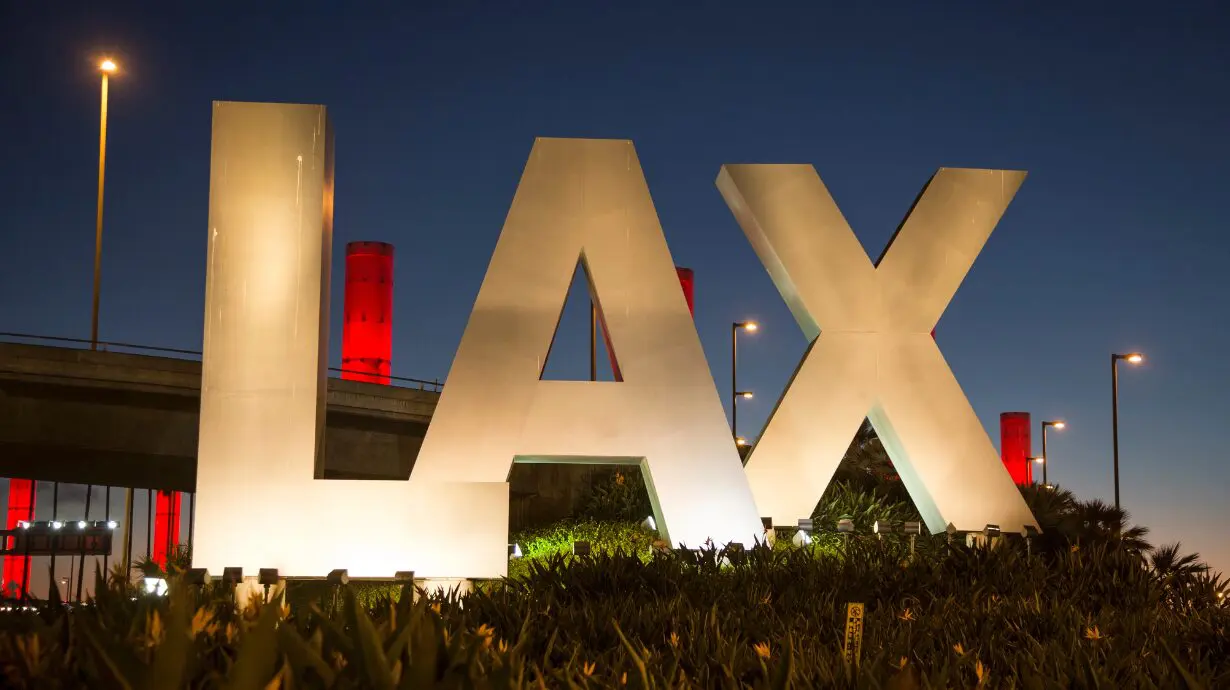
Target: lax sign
pixel 260 502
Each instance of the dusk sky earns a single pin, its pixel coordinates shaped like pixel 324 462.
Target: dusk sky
pixel 1117 241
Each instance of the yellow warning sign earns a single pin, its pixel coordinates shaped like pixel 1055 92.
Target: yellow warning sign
pixel 854 633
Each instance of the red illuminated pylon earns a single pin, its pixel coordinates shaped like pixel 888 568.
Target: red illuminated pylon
pixel 21 507
pixel 1015 447
pixel 166 525
pixel 367 323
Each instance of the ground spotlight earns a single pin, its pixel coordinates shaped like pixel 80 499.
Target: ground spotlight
pixel 650 524
pixel 580 548
pixel 112 524
pixel 911 527
pixel 845 525
pixel 991 531
pixel 337 577
pixel 514 551
pixel 883 527
pixel 197 576
pixel 232 576
pixel 82 524
pixel 268 576
pixel 155 585
pixel 803 536
pixel 56 524
pixel 404 576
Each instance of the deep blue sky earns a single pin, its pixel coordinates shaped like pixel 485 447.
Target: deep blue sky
pixel 1116 242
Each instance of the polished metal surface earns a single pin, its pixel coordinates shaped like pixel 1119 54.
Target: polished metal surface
pixel 587 201
pixel 871 350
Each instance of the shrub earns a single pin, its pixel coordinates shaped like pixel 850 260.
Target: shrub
pixel 998 617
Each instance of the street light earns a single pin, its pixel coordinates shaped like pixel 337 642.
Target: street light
pixel 735 393
pixel 1045 425
pixel 107 67
pixel 1131 358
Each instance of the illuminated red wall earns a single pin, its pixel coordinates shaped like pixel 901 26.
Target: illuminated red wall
pixel 367 323
pixel 1014 445
pixel 21 507
pixel 166 524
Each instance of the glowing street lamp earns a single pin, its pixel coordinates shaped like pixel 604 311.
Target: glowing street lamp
pixel 735 393
pixel 1130 358
pixel 1045 425
pixel 107 67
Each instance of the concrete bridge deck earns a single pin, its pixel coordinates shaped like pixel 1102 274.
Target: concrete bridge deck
pixel 118 419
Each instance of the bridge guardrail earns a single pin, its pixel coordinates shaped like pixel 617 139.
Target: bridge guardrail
pixel 402 381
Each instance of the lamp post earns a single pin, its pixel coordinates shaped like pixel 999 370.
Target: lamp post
pixel 1131 358
pixel 1045 425
pixel 735 393
pixel 106 67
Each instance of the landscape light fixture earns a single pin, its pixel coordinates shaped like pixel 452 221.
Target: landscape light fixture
pixel 232 576
pixel 197 576
pixel 1130 358
pixel 740 441
pixel 580 548
pixel 23 524
pixel 803 536
pixel 650 524
pixel 82 524
pixel 268 576
pixel 746 395
pixel 112 524
pixel 1038 459
pixel 56 524
pixel 912 527
pixel 991 531
pixel 404 576
pixel 883 527
pixel 514 550
pixel 845 525
pixel 338 577
pixel 155 586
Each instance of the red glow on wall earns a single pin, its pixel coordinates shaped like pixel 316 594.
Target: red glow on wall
pixel 1014 445
pixel 687 281
pixel 21 507
pixel 367 322
pixel 166 525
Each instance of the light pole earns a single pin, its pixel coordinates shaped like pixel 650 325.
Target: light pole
pixel 1046 458
pixel 735 393
pixel 106 67
pixel 1131 358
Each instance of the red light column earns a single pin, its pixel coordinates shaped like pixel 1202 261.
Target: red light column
pixel 367 323
pixel 166 525
pixel 1015 447
pixel 21 507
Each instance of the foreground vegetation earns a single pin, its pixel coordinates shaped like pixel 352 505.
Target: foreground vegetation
pixel 998 617
pixel 1089 603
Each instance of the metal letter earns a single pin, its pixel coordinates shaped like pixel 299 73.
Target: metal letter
pixel 871 350
pixel 259 504
pixel 587 200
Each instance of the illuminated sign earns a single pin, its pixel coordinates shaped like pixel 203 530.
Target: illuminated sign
pixel 261 502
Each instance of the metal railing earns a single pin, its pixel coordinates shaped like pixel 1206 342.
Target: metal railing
pixel 107 346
